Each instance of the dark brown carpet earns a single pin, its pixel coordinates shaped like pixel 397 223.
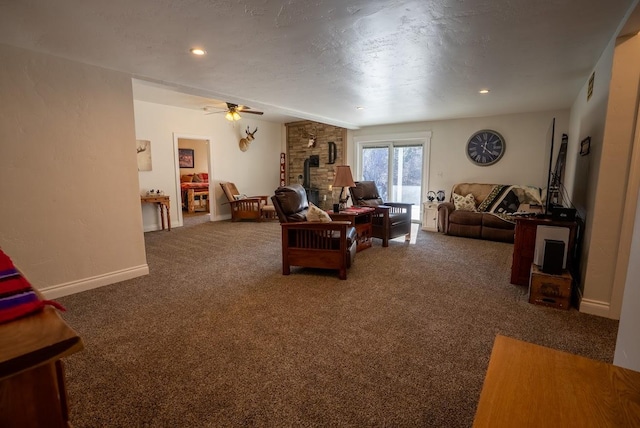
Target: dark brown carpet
pixel 216 336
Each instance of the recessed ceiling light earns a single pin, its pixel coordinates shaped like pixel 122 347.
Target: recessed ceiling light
pixel 197 51
pixel 359 108
pixel 484 91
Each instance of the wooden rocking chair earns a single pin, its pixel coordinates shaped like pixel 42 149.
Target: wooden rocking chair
pixel 247 207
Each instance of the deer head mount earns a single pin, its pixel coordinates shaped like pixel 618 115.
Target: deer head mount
pixel 312 138
pixel 244 142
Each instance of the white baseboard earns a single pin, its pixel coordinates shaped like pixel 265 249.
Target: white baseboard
pixel 595 307
pixel 157 227
pixel 60 290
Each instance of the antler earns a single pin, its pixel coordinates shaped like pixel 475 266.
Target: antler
pixel 250 134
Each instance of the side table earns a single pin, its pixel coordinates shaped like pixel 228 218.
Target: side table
pixel 360 218
pixel 430 216
pixel 163 204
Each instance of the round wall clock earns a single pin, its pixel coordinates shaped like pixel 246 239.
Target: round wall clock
pixel 485 147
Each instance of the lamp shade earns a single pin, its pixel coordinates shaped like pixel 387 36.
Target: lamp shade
pixel 343 177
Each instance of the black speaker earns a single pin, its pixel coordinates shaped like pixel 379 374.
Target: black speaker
pixel 553 256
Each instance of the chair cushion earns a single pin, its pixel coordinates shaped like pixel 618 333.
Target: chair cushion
pixel 229 190
pixel 365 194
pixel 293 202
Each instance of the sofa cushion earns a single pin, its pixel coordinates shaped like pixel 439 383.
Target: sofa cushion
pixel 466 217
pixel 480 191
pixel 502 235
pixel 464 203
pixel 495 222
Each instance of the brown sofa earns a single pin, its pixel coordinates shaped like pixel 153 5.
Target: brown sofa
pixel 483 225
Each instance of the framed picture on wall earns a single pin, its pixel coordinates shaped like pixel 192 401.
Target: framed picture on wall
pixel 185 158
pixel 143 148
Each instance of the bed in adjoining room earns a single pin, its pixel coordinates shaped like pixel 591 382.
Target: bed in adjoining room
pixel 195 191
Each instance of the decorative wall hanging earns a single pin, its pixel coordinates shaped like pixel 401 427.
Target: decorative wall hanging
pixel 185 158
pixel 283 171
pixel 245 142
pixel 143 149
pixel 333 152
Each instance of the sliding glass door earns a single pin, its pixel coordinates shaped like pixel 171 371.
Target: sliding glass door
pixel 397 169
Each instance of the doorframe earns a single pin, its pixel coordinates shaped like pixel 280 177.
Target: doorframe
pixel 424 138
pixel 208 139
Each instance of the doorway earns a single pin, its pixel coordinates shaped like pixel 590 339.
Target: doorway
pixel 194 177
pixel 398 167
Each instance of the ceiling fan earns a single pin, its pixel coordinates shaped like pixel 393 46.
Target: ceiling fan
pixel 232 111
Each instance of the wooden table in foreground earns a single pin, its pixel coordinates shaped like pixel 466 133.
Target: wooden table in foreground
pixel 529 385
pixel 163 204
pixel 32 386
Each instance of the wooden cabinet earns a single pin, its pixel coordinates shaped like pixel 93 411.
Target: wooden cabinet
pixel 32 386
pixel 524 245
pixel 430 216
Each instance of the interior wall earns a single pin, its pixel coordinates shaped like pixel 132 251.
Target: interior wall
pixel 627 345
pixel 200 154
pixel 608 180
pixel 526 157
pixel 68 173
pixel 255 172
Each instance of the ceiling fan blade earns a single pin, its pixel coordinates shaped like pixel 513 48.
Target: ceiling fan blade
pixel 252 112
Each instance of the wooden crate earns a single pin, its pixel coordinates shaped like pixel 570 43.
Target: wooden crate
pixel 550 290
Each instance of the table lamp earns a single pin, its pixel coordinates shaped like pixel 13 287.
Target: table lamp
pixel 343 179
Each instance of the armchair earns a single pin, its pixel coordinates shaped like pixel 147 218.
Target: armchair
pixel 328 245
pixel 247 208
pixel 390 220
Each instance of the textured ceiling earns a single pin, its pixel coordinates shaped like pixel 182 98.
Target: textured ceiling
pixel 403 61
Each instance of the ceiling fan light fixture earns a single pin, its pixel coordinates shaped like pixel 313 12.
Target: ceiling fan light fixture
pixel 232 115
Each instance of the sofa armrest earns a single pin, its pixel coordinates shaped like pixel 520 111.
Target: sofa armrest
pixel 444 209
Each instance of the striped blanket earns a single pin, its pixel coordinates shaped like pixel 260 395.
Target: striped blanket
pixel 17 297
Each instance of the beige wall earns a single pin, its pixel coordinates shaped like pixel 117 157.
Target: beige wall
pixel 200 155
pixel 525 160
pixel 255 172
pixel 70 210
pixel 610 205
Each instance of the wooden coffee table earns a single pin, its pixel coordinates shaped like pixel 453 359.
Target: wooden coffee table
pixel 360 218
pixel 529 385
